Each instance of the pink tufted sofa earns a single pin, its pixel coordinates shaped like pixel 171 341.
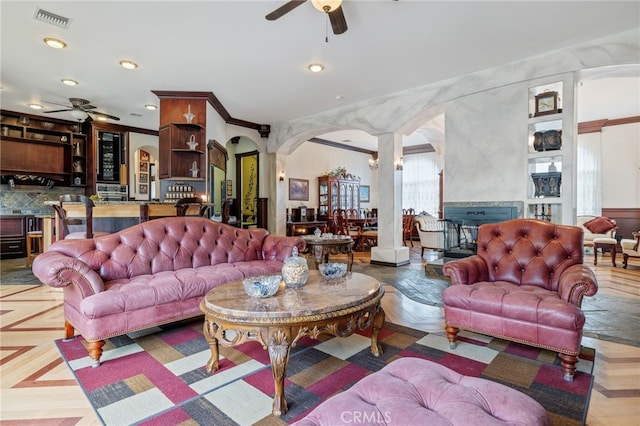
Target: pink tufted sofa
pixel 153 273
pixel 525 284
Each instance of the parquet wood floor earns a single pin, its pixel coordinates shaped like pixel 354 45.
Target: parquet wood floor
pixel 37 388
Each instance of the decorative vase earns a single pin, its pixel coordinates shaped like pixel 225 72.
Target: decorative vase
pixel 78 152
pixel 192 142
pixel 295 270
pixel 188 114
pixel 194 169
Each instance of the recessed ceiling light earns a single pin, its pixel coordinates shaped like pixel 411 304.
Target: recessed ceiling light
pixel 315 67
pixel 35 106
pixel 69 82
pixel 151 107
pixel 55 43
pixel 130 65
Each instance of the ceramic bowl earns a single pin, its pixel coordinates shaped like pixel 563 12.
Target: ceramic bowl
pixel 332 270
pixel 262 286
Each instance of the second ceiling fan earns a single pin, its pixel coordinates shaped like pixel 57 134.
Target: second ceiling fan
pixel 333 8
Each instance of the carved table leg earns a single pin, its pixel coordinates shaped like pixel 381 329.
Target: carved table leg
pixel 350 257
pixel 378 322
pixel 279 348
pixel 209 330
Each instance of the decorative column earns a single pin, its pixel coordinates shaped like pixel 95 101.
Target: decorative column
pixel 390 250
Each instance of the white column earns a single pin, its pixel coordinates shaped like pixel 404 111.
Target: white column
pixel 278 195
pixel 390 250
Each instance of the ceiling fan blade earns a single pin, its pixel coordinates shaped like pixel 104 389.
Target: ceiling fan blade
pixel 87 107
pixel 284 9
pixel 55 103
pixel 102 114
pixel 338 21
pixel 57 110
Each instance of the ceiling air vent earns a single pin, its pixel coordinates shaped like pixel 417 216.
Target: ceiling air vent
pixel 52 18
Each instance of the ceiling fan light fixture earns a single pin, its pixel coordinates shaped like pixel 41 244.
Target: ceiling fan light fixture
pixel 326 5
pixel 35 106
pixel 129 65
pixel 315 67
pixel 78 114
pixel 55 43
pixel 101 118
pixel 69 82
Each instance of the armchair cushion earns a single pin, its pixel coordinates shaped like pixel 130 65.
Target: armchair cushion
pixel 600 225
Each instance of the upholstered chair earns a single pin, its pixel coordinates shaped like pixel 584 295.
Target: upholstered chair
pixel 431 232
pixel 596 227
pixel 630 248
pixel 525 284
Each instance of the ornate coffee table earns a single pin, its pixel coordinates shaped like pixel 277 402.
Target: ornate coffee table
pixel 337 307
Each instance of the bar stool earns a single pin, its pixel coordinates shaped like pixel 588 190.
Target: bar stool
pixel 31 236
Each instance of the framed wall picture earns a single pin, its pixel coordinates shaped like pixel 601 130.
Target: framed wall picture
pixel 144 167
pixel 364 193
pixel 299 189
pixel 144 155
pixel 143 188
pixel 144 177
pixel 229 188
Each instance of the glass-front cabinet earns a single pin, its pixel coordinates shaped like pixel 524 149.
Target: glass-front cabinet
pixel 337 192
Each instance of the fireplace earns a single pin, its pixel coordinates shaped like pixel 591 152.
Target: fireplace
pixel 463 220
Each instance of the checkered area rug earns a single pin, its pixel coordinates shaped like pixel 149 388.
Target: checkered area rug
pixel 158 377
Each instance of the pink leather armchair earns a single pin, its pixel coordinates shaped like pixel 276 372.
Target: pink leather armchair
pixel 525 284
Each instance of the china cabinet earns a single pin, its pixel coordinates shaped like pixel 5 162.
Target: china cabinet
pixel 337 192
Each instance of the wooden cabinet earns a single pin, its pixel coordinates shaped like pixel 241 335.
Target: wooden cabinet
pixel 337 192
pixel 44 148
pixel 177 159
pixel 13 232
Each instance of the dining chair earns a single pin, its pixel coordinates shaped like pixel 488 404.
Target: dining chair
pixel 74 227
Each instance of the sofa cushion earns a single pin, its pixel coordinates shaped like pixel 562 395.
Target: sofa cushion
pixel 600 225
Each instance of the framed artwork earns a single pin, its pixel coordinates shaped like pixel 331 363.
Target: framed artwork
pixel 144 177
pixel 144 167
pixel 364 193
pixel 299 189
pixel 144 155
pixel 229 188
pixel 143 188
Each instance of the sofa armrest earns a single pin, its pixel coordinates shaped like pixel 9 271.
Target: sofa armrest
pixel 58 270
pixel 278 247
pixel 466 271
pixel 576 282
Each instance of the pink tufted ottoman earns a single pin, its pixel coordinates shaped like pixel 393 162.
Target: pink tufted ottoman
pixel 414 391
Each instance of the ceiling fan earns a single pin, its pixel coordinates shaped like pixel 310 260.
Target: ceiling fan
pixel 332 8
pixel 82 109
